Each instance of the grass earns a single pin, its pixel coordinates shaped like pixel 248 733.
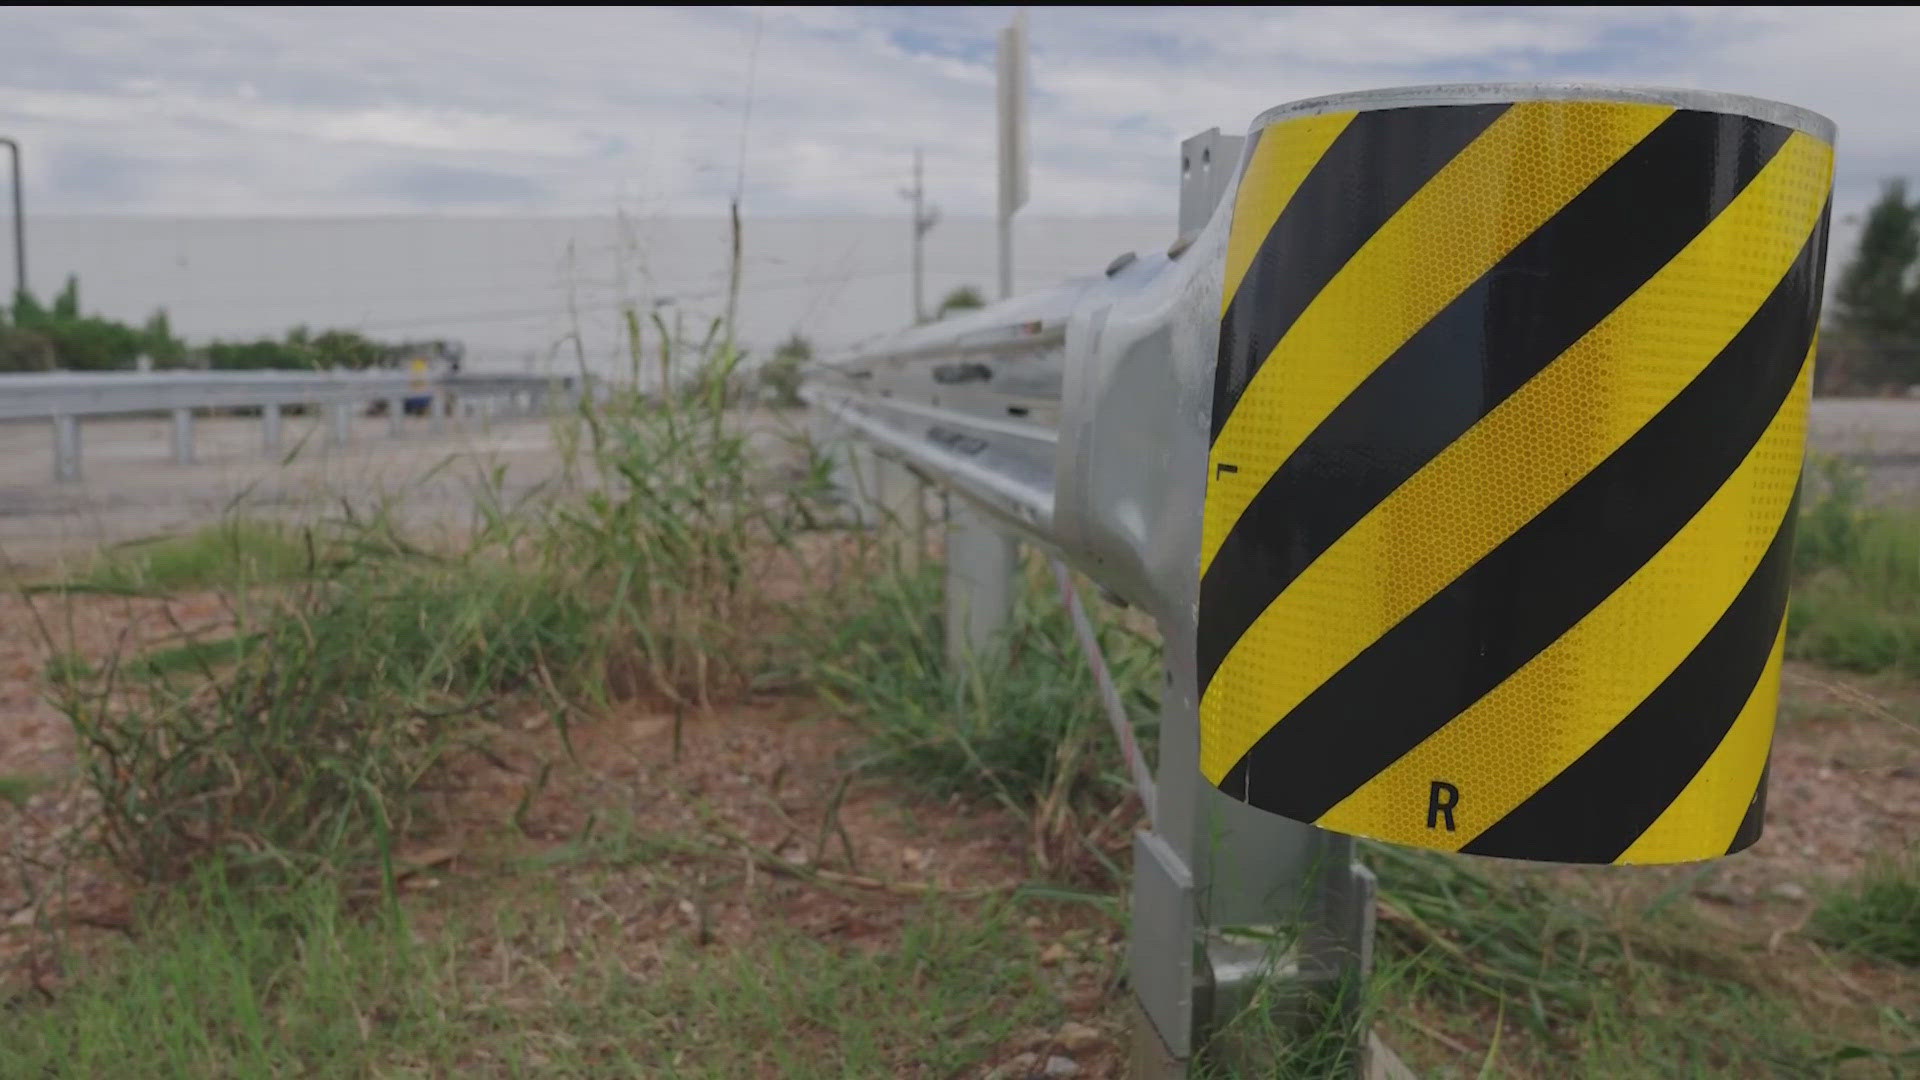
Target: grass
pixel 298 738
pixel 1877 914
pixel 229 983
pixel 1856 597
pixel 232 551
pixel 18 789
pixel 1023 726
pixel 1582 987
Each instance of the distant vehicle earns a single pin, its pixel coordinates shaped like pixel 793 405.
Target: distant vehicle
pixel 426 361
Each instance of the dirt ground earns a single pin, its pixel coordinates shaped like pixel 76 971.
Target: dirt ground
pixel 764 788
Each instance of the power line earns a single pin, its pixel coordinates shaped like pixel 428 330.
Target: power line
pixel 496 315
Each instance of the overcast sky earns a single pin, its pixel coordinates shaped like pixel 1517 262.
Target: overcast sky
pixel 243 111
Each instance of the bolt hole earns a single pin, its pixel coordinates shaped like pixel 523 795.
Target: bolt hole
pixel 1206 157
pixel 1186 165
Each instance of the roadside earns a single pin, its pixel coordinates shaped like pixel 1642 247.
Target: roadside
pixel 662 775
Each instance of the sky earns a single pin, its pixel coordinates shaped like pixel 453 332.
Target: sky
pixel 813 111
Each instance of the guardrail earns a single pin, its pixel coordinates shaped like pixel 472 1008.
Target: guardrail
pixel 1392 302
pixel 66 398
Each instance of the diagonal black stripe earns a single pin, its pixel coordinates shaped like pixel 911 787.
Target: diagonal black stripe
pixel 1470 636
pixel 1372 168
pixel 1596 807
pixel 1756 817
pixel 1514 321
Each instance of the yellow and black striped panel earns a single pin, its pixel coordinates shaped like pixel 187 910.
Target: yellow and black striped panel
pixel 1507 428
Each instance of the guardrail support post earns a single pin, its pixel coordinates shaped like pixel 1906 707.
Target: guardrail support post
pixel 66 448
pixel 981 562
pixel 396 415
pixel 339 423
pixel 183 436
pixel 270 428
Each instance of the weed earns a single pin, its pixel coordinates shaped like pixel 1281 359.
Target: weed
pixel 1856 600
pixel 17 789
pixel 677 534
pixel 1875 915
pixel 1023 725
pixel 66 667
pixel 230 552
pixel 1643 992
pixel 323 713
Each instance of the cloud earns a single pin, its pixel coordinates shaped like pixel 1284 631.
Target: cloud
pixel 450 186
pixel 97 174
pixel 314 111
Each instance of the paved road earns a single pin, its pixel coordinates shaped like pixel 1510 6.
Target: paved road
pixel 130 487
pixel 1881 435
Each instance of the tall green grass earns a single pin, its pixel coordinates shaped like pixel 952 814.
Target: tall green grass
pixel 1856 596
pixel 295 740
pixel 1877 914
pixel 1023 725
pixel 229 552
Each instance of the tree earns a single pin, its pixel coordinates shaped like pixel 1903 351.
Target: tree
pixel 1874 295
pixel 1875 325
pixel 964 298
pixel 158 342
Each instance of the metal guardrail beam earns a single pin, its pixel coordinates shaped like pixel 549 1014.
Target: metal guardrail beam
pixel 65 398
pixel 1122 421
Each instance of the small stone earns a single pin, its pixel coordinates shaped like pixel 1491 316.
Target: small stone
pixel 1062 1066
pixel 1056 953
pixel 1075 1037
pixel 1017 1067
pixel 1788 890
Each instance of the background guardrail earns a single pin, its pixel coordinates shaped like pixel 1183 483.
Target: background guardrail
pixel 66 398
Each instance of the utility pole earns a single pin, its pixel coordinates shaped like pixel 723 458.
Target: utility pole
pixel 19 224
pixel 1012 87
pixel 924 219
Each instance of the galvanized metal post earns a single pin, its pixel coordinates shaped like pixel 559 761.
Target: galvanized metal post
pixel 981 564
pixel 66 448
pixel 19 222
pixel 396 416
pixel 1011 85
pixel 270 428
pixel 339 423
pixel 183 436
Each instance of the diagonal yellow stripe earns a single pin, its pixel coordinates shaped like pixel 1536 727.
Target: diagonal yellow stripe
pixel 1282 158
pixel 1519 458
pixel 1475 210
pixel 1564 700
pixel 1708 812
